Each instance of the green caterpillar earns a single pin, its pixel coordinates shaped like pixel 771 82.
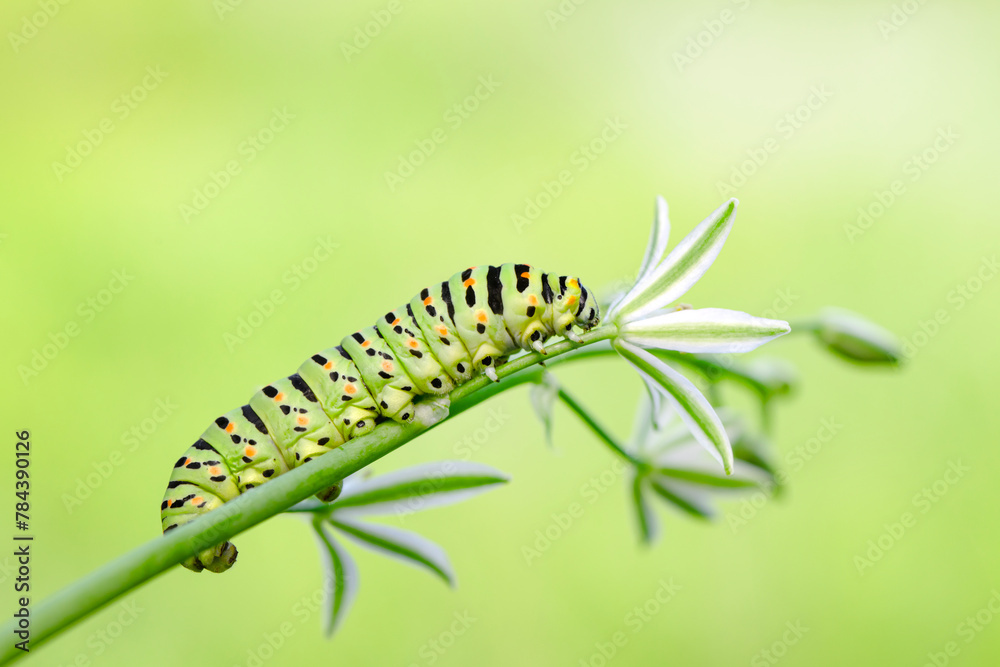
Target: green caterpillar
pixel 445 336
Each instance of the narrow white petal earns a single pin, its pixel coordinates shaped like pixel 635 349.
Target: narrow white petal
pixel 340 582
pixel 418 488
pixel 659 237
pixel 706 330
pixel 401 545
pixel 682 268
pixel 691 404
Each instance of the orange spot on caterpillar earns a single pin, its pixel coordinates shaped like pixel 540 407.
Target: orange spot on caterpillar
pixel 572 282
pixel 395 322
pixel 428 301
pixel 469 283
pixel 328 365
pixel 366 343
pixel 187 460
pixel 229 427
pixel 387 366
pixel 525 275
pixel 197 500
pixel 533 300
pixel 214 470
pixel 414 344
pixel 481 316
pixel 250 451
pixel 279 397
pixel 443 331
pixel 570 301
pixel 302 421
pixel 349 389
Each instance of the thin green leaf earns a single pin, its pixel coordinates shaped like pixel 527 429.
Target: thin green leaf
pixel 340 580
pixel 690 503
pixel 707 479
pixel 691 404
pixel 645 518
pixel 407 547
pixel 659 237
pixel 418 488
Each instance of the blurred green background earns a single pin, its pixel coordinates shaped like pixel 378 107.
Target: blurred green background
pixel 122 119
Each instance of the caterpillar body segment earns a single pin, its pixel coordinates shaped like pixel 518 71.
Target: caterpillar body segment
pixel 401 368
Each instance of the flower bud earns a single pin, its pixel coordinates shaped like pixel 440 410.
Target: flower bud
pixel 855 338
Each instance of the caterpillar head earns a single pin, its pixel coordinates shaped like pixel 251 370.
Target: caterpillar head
pixel 574 304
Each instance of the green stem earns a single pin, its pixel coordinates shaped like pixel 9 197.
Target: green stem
pixel 804 325
pixel 145 562
pixel 598 429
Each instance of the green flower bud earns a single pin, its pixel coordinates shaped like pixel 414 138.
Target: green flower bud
pixel 853 337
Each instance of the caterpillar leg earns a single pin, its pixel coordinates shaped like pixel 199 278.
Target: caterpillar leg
pixel 217 559
pixel 179 502
pixel 432 410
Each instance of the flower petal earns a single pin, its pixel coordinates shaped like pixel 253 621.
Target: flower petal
pixel 340 581
pixel 418 488
pixel 691 464
pixel 694 501
pixel 543 397
pixel 407 547
pixel 659 236
pixel 645 517
pixel 691 404
pixel 703 330
pixel 681 269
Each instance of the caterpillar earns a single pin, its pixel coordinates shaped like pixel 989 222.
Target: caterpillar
pixel 445 336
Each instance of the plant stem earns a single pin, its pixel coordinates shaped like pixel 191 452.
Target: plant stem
pixel 598 429
pixel 145 562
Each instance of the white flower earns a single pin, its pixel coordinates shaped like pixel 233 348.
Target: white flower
pixel 645 322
